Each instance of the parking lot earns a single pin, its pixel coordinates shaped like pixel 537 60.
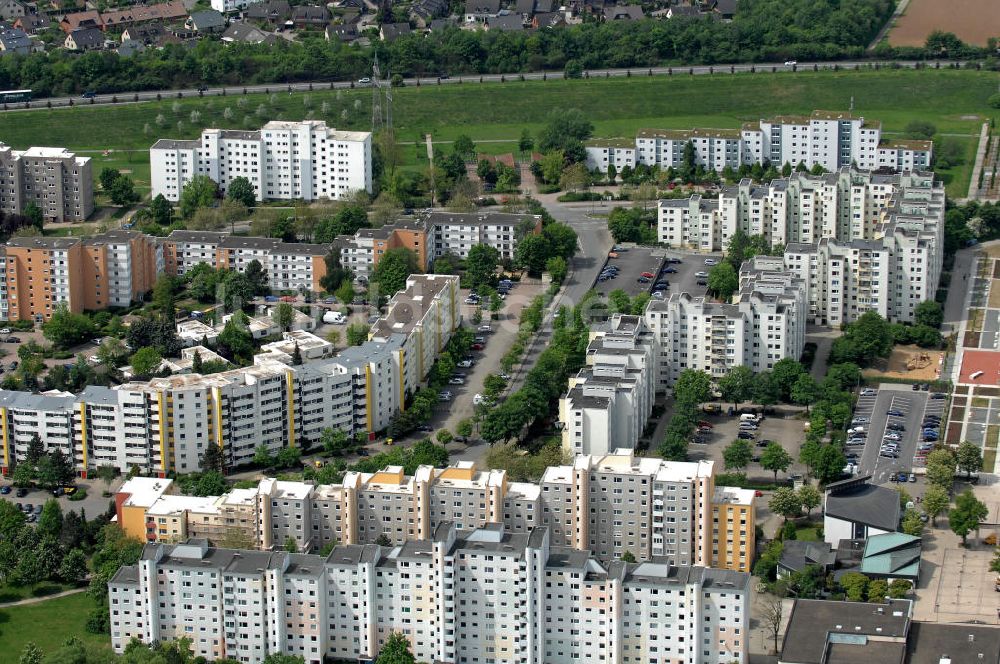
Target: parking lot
pixel 633 261
pixel 909 408
pixel 94 503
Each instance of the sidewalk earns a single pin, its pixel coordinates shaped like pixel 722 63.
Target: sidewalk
pixel 36 600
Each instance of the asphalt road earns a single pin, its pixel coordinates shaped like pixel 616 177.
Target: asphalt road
pixel 768 67
pixel 891 397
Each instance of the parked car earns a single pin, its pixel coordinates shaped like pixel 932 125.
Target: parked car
pixel 478 346
pixel 895 426
pixel 859 420
pixel 869 392
pixel 705 423
pixel 456 381
pixel 745 435
pixel 465 364
pixel 4 489
pixel 938 395
pixel 643 280
pixel 711 261
pixel 894 413
pixel 21 492
pixel 485 327
pixel 701 274
pixel 669 270
pixel 648 275
pixel 701 282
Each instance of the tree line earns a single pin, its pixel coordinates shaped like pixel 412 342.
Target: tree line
pixel 762 31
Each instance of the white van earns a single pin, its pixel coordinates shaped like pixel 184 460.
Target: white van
pixel 749 417
pixel 334 317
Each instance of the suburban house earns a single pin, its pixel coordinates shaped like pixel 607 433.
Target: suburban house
pixel 16 41
pixel 478 11
pixel 247 33
pixel 164 11
pixel 206 22
pixel 87 19
pixel 11 10
pixel 392 31
pixel 857 509
pixel 33 23
pixel 272 11
pixel 422 12
pixel 506 23
pixel 683 11
pixel 726 9
pixel 128 48
pixel 310 16
pixel 547 20
pixel 623 13
pixel 85 39
pixel 148 34
pixel 343 32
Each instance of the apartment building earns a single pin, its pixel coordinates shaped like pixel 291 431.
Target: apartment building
pixel 606 504
pixel 610 399
pixel 829 139
pixel 60 183
pixel 38 274
pixel 485 595
pixel 435 234
pixel 765 323
pixel 164 425
pixel 283 161
pixel 290 266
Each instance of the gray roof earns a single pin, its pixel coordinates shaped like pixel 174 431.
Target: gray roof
pixel 43 242
pixel 931 643
pixel 207 20
pixel 796 555
pixel 15 39
pixel 310 14
pixel 812 621
pixel 197 236
pixel 87 37
pixel 508 23
pixel 391 31
pixel 272 10
pixel 864 503
pixel 126 575
pixel 244 32
pixel 172 144
pixel 482 6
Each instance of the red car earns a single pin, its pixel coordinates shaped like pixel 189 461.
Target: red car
pixel 703 423
pixel 288 298
pixel 478 346
pixel 758 493
pixel 648 275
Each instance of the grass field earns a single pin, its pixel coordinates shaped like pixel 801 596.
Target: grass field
pixel 955 101
pixel 15 593
pixel 49 624
pixel 972 21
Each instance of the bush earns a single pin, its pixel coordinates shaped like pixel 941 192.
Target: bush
pixel 578 196
pixel 994 100
pixel 788 531
pixel 79 494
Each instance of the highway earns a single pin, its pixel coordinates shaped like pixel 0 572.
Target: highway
pixel 700 70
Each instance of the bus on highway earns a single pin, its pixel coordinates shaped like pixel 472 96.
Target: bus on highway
pixel 13 96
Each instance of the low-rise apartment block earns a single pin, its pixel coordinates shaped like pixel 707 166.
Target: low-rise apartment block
pixel 38 274
pixel 485 595
pixel 608 504
pixel 60 183
pixel 434 235
pixel 290 266
pixel 766 323
pixel 610 399
pixel 832 140
pixel 163 425
pixel 283 161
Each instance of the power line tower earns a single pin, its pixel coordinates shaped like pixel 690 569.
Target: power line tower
pixel 377 119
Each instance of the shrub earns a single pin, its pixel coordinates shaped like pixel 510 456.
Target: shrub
pixel 80 494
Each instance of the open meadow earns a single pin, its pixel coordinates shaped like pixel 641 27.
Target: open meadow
pixel 954 100
pixel 972 21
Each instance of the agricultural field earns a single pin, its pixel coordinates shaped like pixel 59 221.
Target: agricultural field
pixel 494 114
pixel 972 21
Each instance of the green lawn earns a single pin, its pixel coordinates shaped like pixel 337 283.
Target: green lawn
pixel 955 101
pixel 15 593
pixel 49 624
pixel 807 534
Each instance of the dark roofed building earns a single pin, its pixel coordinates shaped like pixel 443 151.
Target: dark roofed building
pixel 344 32
pixel 147 33
pixel 506 23
pixel 826 632
pixel 392 31
pixel 623 13
pixel 310 16
pixel 247 33
pixel 15 40
pixel 524 7
pixel 33 23
pixel 206 22
pixel 272 11
pixel 857 509
pixel 85 39
pixel 797 555
pixel 548 20
pixel 724 8
pixel 480 10
pixel 683 10
pixel 425 11
pixel 934 643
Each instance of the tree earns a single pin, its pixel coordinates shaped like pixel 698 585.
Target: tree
pixel 464 428
pixel 935 502
pixel 878 589
pixel 108 177
pixel 257 278
pixel 464 147
pixel 280 658
pixel 775 459
pixel 392 270
pixel 969 458
pixel 805 391
pixel 161 211
pixel 773 616
pixel 855 586
pixel 212 459
pixel 830 463
pixel 334 441
pixel 566 131
pixel 785 502
pixel 51 520
pixel 911 524
pixel 920 129
pixel 967 514
pixel 73 569
pixel 723 281
pixel 481 265
pixel 628 557
pixel 283 315
pixel 145 361
pixel 737 455
pixel 941 469
pixel 123 191
pixel 290 545
pixel 357 334
pixel 296 355
pixel 31 654
pixel 288 457
pixel 237 291
pixel 383 540
pixel 737 385
pixel 766 390
pixel 241 191
pixel 810 497
pixel 262 456
pixel 34 215
pixel 36 450
pixel 557 269
pixel 693 386
pixel 526 143
pixel 785 373
pixel 899 588
pixel 235 340
pixel 928 313
pixel 67 329
pixel 12 520
pixel 395 651
pixel 200 192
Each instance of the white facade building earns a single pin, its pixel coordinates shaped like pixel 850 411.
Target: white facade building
pixel 484 595
pixel 283 161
